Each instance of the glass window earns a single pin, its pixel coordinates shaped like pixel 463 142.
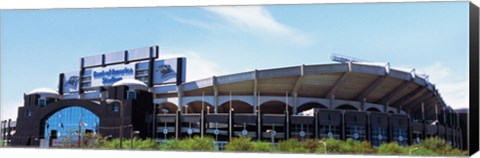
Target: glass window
pixel 330 131
pixel 69 124
pixel 131 95
pixel 28 113
pixel 356 132
pixel 42 102
pixel 379 136
pixel 400 136
pixel 115 107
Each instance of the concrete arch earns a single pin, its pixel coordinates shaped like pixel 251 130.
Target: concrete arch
pixel 274 107
pixel 379 107
pixel 50 109
pixel 166 107
pixel 238 106
pixel 373 109
pixel 304 100
pixel 196 107
pixel 190 99
pixel 337 103
pixel 310 105
pixel 226 99
pixel 346 107
pixel 265 99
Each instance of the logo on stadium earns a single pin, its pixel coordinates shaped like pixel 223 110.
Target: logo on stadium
pixel 72 81
pixel 165 70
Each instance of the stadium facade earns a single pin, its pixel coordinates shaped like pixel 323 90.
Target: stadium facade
pixel 135 91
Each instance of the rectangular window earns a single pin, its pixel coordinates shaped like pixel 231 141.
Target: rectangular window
pixel 379 136
pixel 356 132
pixel 131 95
pixel 115 107
pixel 400 136
pixel 330 131
pixel 42 102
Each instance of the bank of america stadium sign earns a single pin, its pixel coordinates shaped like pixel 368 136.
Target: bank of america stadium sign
pixel 109 75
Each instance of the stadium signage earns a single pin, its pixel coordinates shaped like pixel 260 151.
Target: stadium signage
pixel 109 75
pixel 71 82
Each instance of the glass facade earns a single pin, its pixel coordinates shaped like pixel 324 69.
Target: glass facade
pixel 356 132
pixel 329 131
pixel 67 123
pixel 401 136
pixel 42 102
pixel 379 136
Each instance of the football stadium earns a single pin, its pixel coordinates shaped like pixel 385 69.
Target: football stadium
pixel 136 92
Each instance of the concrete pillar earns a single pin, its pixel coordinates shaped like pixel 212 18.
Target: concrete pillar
pixel 255 101
pixel 362 104
pixel 215 95
pixel 295 103
pixel 368 130
pixel 230 124
pixel 177 125
pixel 202 123
pixel 255 92
pixel 385 106
pixel 287 125
pixel 215 102
pixel 315 115
pixel 423 112
pixel 343 125
pixel 259 118
pixel 259 125
pixel 332 98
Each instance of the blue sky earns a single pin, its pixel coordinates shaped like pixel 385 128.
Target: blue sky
pixel 37 45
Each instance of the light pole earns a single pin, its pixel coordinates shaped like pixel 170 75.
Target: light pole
pixel 131 136
pixel 410 151
pixel 108 137
pixel 324 146
pixel 272 134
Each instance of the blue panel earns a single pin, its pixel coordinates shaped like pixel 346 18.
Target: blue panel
pixel 69 122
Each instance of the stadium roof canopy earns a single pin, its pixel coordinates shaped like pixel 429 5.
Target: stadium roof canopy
pixel 376 83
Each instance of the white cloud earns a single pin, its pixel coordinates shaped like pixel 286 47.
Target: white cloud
pixel 258 20
pixel 208 26
pixel 455 92
pixel 251 19
pixel 198 67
